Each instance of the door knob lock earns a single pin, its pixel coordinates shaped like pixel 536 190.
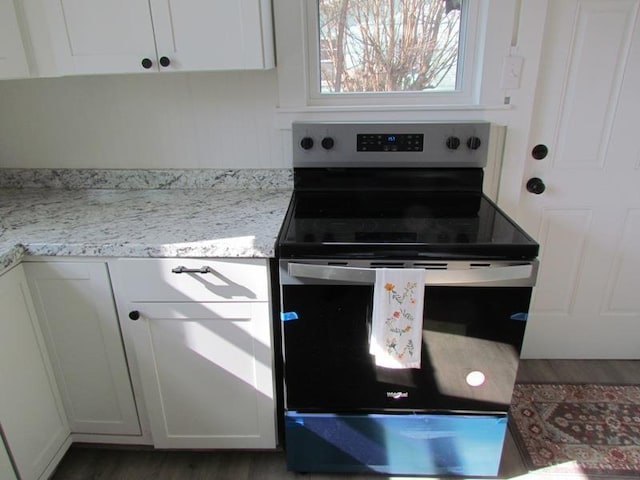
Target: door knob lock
pixel 536 186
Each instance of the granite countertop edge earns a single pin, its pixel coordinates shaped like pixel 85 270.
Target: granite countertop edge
pixel 234 220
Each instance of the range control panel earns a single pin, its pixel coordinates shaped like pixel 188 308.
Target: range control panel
pixel 429 145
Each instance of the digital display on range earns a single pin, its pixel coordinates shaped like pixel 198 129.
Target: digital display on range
pixel 390 142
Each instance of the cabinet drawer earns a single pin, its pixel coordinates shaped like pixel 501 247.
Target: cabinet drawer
pixel 201 280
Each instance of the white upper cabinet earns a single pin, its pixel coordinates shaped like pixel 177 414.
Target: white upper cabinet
pixel 13 61
pixel 99 36
pixel 214 34
pixel 128 36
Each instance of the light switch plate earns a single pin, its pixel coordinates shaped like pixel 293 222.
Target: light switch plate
pixel 511 72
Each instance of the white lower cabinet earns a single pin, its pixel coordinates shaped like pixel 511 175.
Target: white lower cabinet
pixel 182 357
pixel 33 421
pixel 75 306
pixel 201 340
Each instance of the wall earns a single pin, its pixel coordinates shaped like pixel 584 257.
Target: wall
pixel 175 120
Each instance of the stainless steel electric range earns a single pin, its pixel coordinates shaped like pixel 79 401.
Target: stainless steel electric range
pixel 371 196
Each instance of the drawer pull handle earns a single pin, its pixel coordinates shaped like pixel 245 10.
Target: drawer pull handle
pixel 182 269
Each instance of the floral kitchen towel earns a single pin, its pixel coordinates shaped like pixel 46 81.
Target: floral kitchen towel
pixel 396 326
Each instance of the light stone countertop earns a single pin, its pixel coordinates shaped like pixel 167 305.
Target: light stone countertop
pixel 199 222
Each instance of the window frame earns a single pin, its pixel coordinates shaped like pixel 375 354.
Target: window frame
pixel 469 71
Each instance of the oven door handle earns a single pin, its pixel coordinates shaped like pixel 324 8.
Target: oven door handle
pixel 512 275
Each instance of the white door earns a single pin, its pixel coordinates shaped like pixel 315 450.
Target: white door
pixel 587 301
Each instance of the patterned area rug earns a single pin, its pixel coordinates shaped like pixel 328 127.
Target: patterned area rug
pixel 588 429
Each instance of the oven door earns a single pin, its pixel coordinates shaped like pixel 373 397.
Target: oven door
pixel 473 326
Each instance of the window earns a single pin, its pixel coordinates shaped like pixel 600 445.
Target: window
pixel 390 46
pixel 390 51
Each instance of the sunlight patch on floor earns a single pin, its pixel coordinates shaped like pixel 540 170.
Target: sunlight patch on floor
pixel 555 472
pixel 566 471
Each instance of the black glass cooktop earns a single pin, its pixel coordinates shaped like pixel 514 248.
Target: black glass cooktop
pixel 394 224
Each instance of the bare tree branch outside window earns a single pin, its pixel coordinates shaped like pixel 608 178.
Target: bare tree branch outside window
pixel 388 45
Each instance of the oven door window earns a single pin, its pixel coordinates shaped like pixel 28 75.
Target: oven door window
pixel 471 342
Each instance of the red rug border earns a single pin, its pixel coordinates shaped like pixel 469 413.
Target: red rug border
pixel 593 384
pixel 522 449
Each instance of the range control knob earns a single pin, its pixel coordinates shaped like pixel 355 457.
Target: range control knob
pixel 474 143
pixel 327 143
pixel 453 143
pixel 306 143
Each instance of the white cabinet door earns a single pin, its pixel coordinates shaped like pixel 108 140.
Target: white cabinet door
pixel 75 307
pixel 13 61
pixel 214 34
pixel 206 373
pixel 100 36
pixel 31 415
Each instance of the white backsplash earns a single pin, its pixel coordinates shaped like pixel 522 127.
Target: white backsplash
pixel 220 120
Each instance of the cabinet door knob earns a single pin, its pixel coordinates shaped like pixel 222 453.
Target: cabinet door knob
pixel 164 61
pixel 147 63
pixel 134 314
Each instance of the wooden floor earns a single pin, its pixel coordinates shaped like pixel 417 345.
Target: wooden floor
pixel 85 463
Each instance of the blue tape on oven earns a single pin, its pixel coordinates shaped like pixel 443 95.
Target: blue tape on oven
pixel 292 419
pixel 523 317
pixel 288 316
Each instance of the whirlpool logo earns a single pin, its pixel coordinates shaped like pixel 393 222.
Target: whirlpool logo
pixel 397 395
